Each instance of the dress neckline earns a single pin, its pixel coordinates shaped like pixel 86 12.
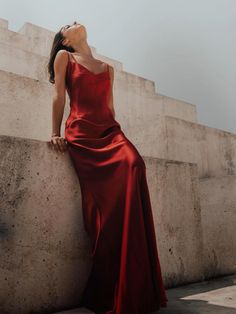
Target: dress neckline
pixel 99 73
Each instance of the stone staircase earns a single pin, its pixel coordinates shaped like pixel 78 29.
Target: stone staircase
pixel 190 171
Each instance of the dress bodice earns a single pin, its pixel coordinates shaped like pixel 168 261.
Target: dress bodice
pixel 88 92
pixel 89 98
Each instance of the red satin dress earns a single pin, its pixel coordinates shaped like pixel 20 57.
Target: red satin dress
pixel 125 277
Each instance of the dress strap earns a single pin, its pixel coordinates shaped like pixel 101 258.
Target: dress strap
pixel 69 55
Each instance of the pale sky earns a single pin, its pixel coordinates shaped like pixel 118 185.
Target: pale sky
pixel 187 47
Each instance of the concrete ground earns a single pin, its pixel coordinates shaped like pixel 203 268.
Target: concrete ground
pixel 215 296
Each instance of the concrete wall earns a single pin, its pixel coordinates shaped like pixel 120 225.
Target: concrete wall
pixel 17 60
pixel 218 203
pixel 26 104
pixel 45 262
pixel 32 44
pixel 44 259
pixel 213 150
pixel 26 112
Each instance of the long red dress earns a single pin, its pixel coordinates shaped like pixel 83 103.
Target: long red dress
pixel 126 276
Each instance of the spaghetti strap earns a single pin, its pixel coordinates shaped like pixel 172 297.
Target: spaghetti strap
pixel 69 55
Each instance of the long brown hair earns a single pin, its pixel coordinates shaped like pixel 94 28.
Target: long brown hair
pixel 56 46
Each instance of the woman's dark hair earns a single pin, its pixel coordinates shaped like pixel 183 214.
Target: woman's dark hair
pixel 56 46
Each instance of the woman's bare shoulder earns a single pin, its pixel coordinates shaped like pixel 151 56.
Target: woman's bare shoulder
pixel 62 54
pixel 61 60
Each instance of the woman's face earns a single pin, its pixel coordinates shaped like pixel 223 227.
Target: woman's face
pixel 72 33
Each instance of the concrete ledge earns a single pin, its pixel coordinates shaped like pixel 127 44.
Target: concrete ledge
pixel 213 150
pixel 45 248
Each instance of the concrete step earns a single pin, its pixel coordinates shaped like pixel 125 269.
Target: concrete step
pixel 213 150
pixel 26 111
pixel 37 40
pixel 26 105
pixel 32 44
pixel 131 88
pixel 17 60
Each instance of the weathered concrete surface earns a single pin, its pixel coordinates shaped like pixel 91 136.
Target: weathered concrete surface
pixel 213 150
pixel 32 45
pixel 37 40
pixel 26 111
pixel 216 296
pixel 218 211
pixel 177 217
pixel 17 60
pixel 45 259
pixel 26 105
pixel 44 247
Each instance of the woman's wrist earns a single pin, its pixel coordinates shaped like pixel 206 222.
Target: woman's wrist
pixel 55 134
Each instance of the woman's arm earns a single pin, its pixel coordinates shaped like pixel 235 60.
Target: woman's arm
pixel 59 97
pixel 110 95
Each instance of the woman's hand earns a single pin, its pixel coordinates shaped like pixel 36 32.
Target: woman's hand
pixel 58 143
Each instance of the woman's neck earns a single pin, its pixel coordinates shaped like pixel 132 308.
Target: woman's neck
pixel 82 49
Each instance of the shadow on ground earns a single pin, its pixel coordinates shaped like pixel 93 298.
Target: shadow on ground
pixel 215 296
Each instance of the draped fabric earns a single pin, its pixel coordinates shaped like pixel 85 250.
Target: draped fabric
pixel 125 277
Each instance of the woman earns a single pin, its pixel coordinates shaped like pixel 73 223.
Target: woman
pixel 126 276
